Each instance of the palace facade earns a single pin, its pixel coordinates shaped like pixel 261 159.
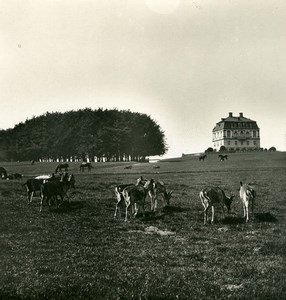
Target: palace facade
pixel 236 133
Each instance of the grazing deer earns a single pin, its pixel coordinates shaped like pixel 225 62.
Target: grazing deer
pixel 119 192
pixel 34 184
pixel 59 167
pixel 141 181
pixel 202 157
pixel 156 188
pixel 222 157
pixel 211 196
pixel 134 196
pixel 247 194
pixel 52 189
pixel 128 167
pixel 84 165
pixel 3 173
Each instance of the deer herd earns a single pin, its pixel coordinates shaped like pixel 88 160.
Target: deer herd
pixel 211 196
pixel 134 195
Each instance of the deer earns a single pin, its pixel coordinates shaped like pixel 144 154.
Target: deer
pixel 34 184
pixel 134 196
pixel 119 196
pixel 211 196
pixel 119 192
pixel 154 189
pixel 247 194
pixel 52 189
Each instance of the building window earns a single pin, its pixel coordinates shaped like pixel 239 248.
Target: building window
pixel 235 143
pixel 254 134
pixel 254 142
pixel 228 133
pixel 247 143
pixel 241 143
pixel 228 143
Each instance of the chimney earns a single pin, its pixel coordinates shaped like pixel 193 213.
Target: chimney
pixel 230 114
pixel 241 115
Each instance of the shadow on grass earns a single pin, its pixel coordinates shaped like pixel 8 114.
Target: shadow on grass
pixel 160 214
pixel 259 217
pixel 66 207
pixel 265 217
pixel 173 209
pixel 233 220
pixel 6 193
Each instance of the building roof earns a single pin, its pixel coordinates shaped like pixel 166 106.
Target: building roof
pixel 226 123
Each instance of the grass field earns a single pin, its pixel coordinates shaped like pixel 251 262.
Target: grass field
pixel 81 251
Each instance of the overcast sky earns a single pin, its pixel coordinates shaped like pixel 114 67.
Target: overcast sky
pixel 186 63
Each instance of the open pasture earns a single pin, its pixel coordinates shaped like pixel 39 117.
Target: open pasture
pixel 81 251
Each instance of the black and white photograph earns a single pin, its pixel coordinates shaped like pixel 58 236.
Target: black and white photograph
pixel 142 149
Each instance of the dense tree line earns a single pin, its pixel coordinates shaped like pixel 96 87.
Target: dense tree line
pixel 100 134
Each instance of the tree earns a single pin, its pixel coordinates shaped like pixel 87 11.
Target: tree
pixel 113 134
pixel 209 150
pixel 222 149
pixel 272 149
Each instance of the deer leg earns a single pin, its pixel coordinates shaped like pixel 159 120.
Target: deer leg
pixel 152 205
pixel 41 203
pixel 243 206
pixel 212 220
pixel 127 202
pixel 136 209
pixel 252 206
pixel 223 213
pixel 246 211
pixel 155 203
pixel 205 215
pixel 28 197
pixel 31 196
pixel 143 209
pixel 117 208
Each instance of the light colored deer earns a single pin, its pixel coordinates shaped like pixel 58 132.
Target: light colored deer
pixel 211 196
pixel 154 189
pixel 119 196
pixel 247 194
pixel 159 188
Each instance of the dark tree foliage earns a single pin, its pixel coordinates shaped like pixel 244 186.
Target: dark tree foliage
pixel 105 134
pixel 209 150
pixel 222 149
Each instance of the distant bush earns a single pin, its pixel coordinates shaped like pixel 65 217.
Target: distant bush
pixel 272 149
pixel 222 149
pixel 209 150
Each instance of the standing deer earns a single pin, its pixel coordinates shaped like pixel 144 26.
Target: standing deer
pixel 119 196
pixel 134 196
pixel 247 194
pixel 211 196
pixel 84 165
pixel 154 189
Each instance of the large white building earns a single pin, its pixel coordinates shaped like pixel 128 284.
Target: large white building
pixel 236 133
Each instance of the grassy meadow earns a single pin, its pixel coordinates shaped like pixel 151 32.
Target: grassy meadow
pixel 82 251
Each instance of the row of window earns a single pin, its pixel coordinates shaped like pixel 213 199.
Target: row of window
pixel 240 125
pixel 236 143
pixel 235 133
